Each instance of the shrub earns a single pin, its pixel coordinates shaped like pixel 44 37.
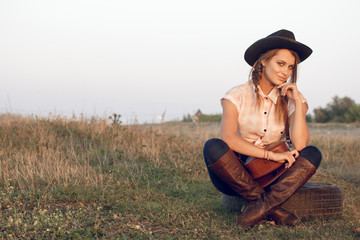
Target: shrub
pixel 210 118
pixel 322 115
pixel 353 115
pixel 309 117
pixel 187 118
pixel 335 111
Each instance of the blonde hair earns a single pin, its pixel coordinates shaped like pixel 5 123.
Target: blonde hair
pixel 256 74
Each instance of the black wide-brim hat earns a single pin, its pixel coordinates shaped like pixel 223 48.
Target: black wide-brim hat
pixel 282 39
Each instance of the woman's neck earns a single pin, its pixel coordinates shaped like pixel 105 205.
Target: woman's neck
pixel 266 86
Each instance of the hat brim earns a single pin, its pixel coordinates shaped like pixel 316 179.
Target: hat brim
pixel 263 45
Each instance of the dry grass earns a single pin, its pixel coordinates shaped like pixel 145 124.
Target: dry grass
pixel 86 178
pixel 69 152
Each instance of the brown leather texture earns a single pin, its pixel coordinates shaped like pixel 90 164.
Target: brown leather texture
pixel 287 184
pixel 232 172
pixel 263 170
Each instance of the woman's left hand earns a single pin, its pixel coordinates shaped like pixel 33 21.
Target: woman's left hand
pixel 289 157
pixel 290 90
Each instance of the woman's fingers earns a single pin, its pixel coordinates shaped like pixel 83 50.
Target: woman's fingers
pixel 291 158
pixel 295 153
pixel 288 157
pixel 282 88
pixel 285 87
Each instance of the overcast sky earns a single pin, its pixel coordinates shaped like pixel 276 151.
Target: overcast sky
pixel 139 58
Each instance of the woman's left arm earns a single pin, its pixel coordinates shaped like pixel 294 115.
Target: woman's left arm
pixel 299 132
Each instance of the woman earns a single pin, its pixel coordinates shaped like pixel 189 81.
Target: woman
pixel 253 117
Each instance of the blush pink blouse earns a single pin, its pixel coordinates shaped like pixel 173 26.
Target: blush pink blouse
pixel 257 125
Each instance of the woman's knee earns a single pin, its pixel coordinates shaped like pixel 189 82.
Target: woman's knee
pixel 312 154
pixel 214 149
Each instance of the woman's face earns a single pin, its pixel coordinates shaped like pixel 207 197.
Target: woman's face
pixel 279 68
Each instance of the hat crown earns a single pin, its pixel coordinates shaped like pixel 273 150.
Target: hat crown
pixel 283 33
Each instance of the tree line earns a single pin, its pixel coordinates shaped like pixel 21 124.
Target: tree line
pixel 338 110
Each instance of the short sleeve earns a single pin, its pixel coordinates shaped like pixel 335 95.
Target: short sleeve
pixel 291 105
pixel 234 96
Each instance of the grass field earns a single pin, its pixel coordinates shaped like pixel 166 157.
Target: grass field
pixel 76 179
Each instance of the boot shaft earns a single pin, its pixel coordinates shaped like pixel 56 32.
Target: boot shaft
pixel 229 169
pixel 290 182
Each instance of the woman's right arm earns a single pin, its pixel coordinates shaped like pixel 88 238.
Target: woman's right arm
pixel 229 129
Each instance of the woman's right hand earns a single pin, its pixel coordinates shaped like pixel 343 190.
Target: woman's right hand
pixel 289 157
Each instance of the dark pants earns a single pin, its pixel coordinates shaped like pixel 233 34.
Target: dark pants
pixel 215 148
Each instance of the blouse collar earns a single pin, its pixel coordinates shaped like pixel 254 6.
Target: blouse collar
pixel 273 95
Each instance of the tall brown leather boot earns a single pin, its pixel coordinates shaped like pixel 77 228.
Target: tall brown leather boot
pixel 231 171
pixel 290 182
